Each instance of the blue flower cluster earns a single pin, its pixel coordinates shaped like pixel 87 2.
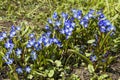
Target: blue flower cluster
pixel 104 24
pixel 85 20
pixel 3 35
pixel 63 24
pixel 9 45
pixel 19 70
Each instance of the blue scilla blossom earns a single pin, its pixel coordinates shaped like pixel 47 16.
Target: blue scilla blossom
pixel 57 23
pixel 49 21
pixel 19 70
pixel 47 42
pixel 28 69
pixel 111 28
pixel 105 25
pixel 48 33
pixel 77 14
pixel 18 52
pixel 62 31
pixel 12 33
pixel 91 13
pixel 13 27
pixel 7 55
pixel 32 35
pixel 37 46
pixel 9 61
pixel 3 35
pixel 9 44
pixel 31 42
pixel 103 29
pixel 1 38
pixel 101 15
pixel 47 27
pixel 18 28
pixel 85 20
pixel 93 58
pixel 57 42
pixel 64 15
pixel 55 15
pixel 74 11
pixel 33 55
pixel 43 37
pixel 69 26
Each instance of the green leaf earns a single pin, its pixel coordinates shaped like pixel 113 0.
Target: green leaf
pixel 91 68
pixel 91 41
pixel 58 63
pixel 102 42
pixel 51 73
pixel 30 76
pixel 86 60
pixel 88 54
pixel 102 77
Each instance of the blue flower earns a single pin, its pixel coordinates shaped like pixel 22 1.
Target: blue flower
pixel 84 22
pixel 59 44
pixel 58 23
pixel 93 58
pixel 103 29
pixel 74 11
pixel 79 14
pixel 48 33
pixel 101 15
pixel 46 42
pixel 18 28
pixel 9 61
pixel 37 46
pixel 31 42
pixel 19 70
pixel 62 31
pixel 28 69
pixel 9 44
pixel 90 13
pixel 110 28
pixel 55 16
pixel 49 21
pixel 64 15
pixel 7 55
pixel 3 35
pixel 18 51
pixel 105 26
pixel 12 33
pixel 32 35
pixel 33 55
pixel 47 27
pixel 13 27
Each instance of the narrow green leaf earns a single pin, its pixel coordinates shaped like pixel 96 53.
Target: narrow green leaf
pixel 91 41
pixel 58 63
pixel 51 73
pixel 102 77
pixel 91 68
